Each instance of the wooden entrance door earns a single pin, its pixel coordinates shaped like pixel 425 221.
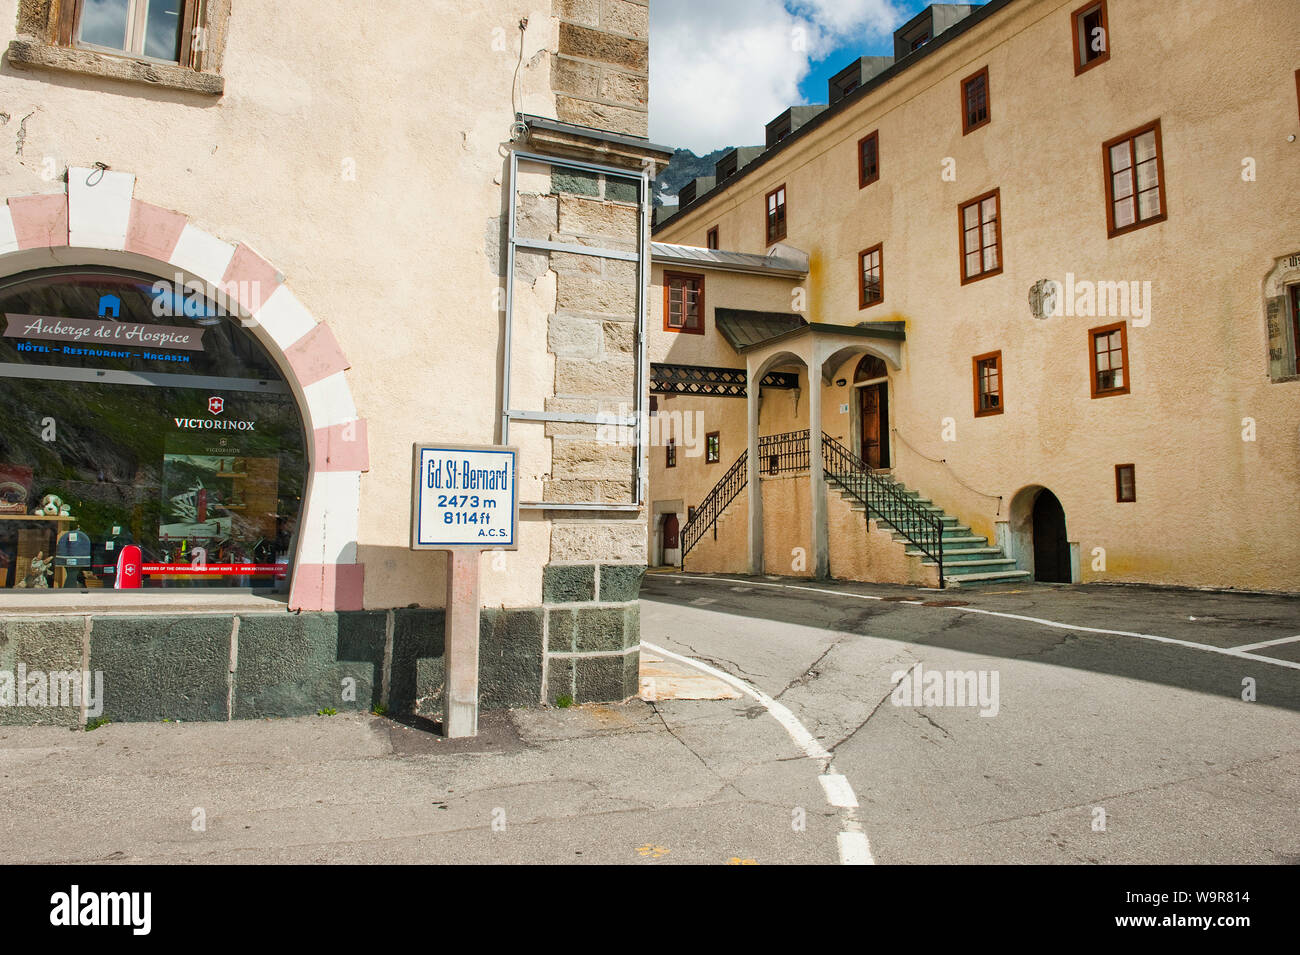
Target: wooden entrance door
pixel 670 532
pixel 875 424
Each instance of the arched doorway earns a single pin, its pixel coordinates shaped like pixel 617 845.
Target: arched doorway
pixel 669 535
pixel 872 384
pixel 1051 548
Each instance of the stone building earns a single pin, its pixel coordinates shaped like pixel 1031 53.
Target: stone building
pixel 242 277
pixel 1028 294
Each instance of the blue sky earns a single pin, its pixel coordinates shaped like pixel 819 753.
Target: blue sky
pixel 720 69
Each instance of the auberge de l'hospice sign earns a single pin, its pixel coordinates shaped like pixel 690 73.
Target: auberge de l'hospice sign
pixel 102 331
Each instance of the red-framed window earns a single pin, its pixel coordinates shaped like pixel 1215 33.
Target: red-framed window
pixel 711 238
pixel 1125 483
pixel 871 276
pixel 975 108
pixel 1135 180
pixel 684 303
pixel 988 384
pixel 1090 36
pixel 712 448
pixel 774 203
pixel 980 221
pixel 868 159
pixel 1108 354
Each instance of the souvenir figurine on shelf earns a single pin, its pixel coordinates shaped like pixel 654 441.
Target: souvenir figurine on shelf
pixel 41 566
pixel 50 505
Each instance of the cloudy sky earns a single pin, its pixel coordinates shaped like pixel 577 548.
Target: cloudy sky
pixel 720 69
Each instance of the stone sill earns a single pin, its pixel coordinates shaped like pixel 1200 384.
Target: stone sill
pixel 46 602
pixel 33 54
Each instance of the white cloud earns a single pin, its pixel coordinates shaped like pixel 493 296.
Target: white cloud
pixel 721 69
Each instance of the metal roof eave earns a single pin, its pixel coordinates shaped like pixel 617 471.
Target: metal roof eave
pixel 663 253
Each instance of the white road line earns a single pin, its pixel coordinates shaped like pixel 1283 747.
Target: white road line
pixel 1237 652
pixel 854 847
pixel 1267 643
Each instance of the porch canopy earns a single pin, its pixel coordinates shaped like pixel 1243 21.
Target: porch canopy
pixel 773 340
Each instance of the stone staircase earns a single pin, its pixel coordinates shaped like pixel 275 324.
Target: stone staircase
pixel 968 560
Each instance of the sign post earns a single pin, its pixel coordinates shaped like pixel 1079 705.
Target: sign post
pixel 465 500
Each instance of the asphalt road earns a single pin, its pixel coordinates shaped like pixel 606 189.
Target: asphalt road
pixel 1133 746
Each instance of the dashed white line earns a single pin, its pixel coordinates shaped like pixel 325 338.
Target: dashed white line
pixel 1238 652
pixel 854 847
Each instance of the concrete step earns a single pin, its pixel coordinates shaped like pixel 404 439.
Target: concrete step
pixel 962 568
pixel 980 580
pixel 959 554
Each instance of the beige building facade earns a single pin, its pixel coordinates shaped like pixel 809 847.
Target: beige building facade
pixel 319 232
pixel 1065 239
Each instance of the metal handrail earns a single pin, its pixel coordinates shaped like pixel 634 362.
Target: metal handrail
pixel 777 454
pixel 883 498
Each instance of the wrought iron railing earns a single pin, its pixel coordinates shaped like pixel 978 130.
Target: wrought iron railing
pixel 788 452
pixel 884 500
pixel 711 508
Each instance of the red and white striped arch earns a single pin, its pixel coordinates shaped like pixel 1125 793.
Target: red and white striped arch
pixel 98 221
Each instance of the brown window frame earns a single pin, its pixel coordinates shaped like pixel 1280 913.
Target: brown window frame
pixel 1297 89
pixel 70 28
pixel 865 179
pixel 1132 482
pixel 966 125
pixel 711 238
pixel 1076 23
pixel 879 250
pixel 669 278
pixel 770 229
pixel 690 513
pixel 996 358
pixel 670 453
pixel 1093 333
pixel 996 196
pixel 1108 177
pixel 713 456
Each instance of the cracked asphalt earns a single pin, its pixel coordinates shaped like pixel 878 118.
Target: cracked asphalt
pixel 1154 734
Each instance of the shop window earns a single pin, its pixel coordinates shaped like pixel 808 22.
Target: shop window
pixel 712 448
pixel 988 384
pixel 1125 484
pixel 1090 35
pixel 683 303
pixel 145 436
pixel 975 101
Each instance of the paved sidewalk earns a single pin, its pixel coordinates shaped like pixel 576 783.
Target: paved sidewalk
pixel 640 783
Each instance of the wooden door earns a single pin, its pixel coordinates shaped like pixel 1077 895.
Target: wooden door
pixel 875 424
pixel 670 532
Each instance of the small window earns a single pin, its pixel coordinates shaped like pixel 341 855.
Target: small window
pixel 711 238
pixel 670 453
pixel 1109 356
pixel 988 384
pixel 683 303
pixel 654 405
pixel 690 514
pixel 1125 486
pixel 980 220
pixel 868 159
pixel 975 101
pixel 1135 180
pixel 920 41
pixel 871 271
pixel 1090 35
pixel 775 201
pixel 148 29
pixel 712 448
